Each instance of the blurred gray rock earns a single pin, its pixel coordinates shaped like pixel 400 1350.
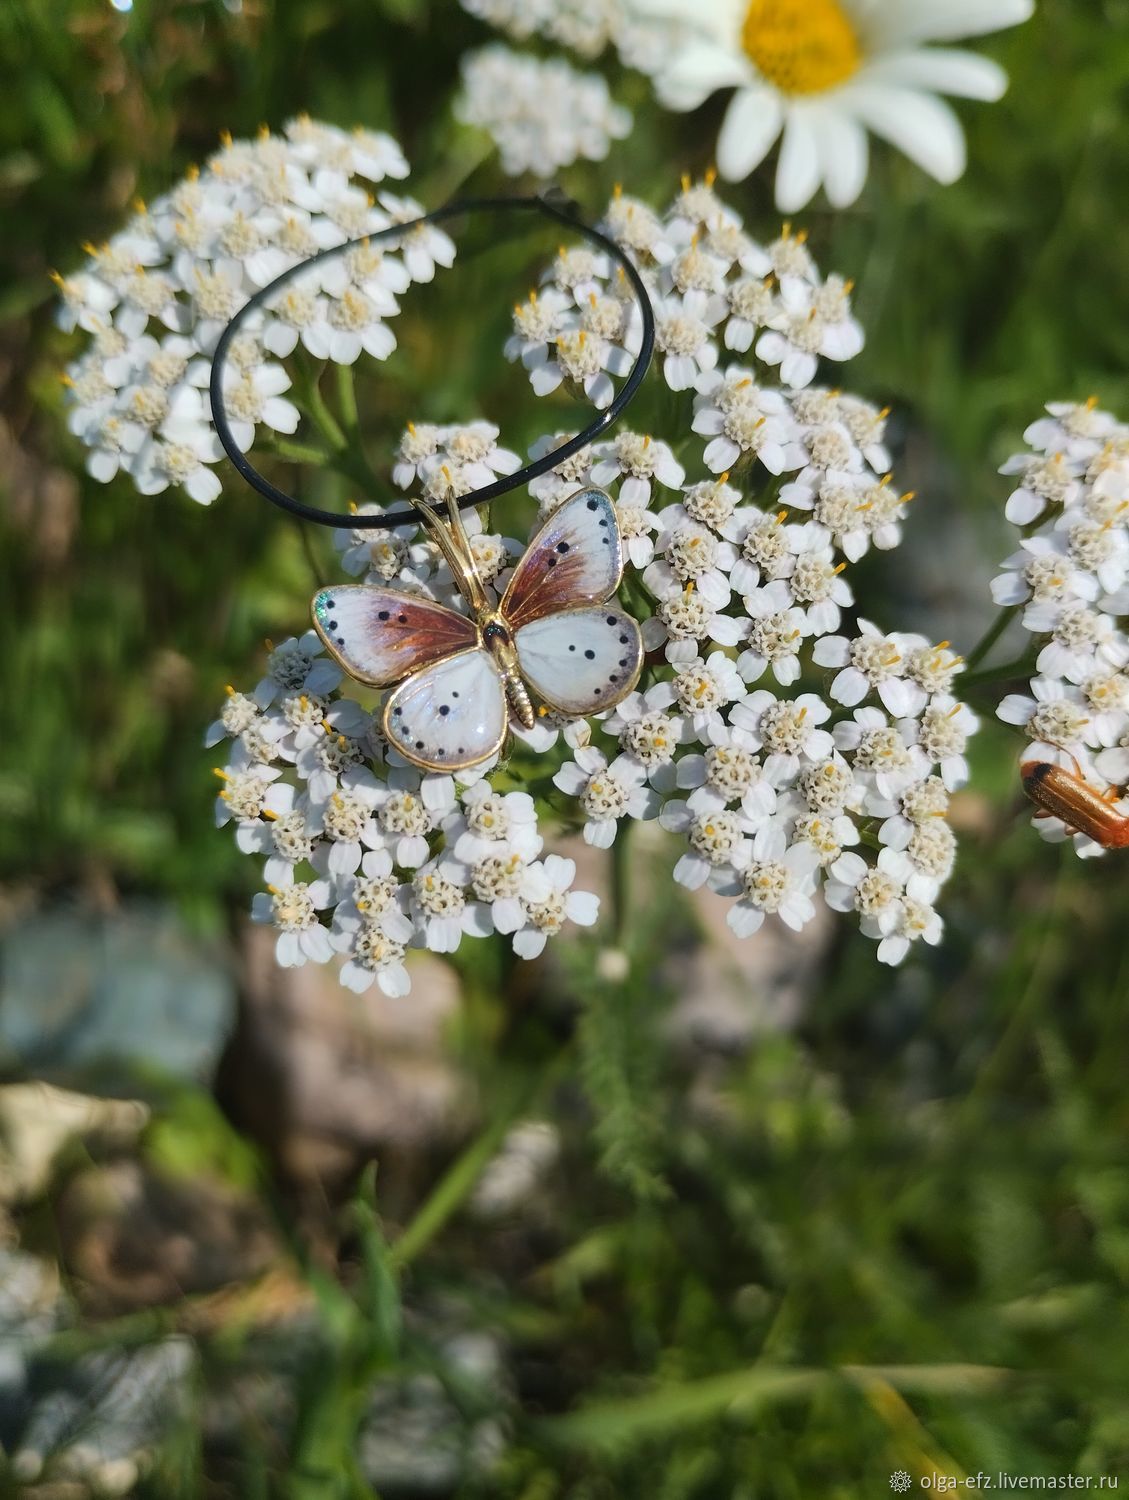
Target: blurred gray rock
pixel 39 1122
pixel 85 994
pixel 98 1420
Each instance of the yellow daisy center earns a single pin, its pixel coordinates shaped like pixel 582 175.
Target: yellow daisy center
pixel 801 46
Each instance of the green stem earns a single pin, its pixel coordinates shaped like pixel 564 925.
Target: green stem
pixel 323 419
pixel 299 453
pixel 1022 666
pixel 347 399
pixel 989 639
pixel 621 884
pixel 618 1425
pixel 458 1182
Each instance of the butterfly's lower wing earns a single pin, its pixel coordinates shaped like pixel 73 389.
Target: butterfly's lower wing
pixel 580 661
pixel 575 558
pixel 449 715
pixel 380 635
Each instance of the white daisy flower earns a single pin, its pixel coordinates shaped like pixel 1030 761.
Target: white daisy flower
pixel 508 885
pixel 1081 640
pixel 565 478
pixel 875 892
pixel 774 639
pixel 787 731
pixel 490 821
pixel 606 793
pixel 1042 570
pixel 373 897
pixel 298 665
pixel 544 919
pixel 810 322
pixel 873 662
pixel 780 885
pixel 374 956
pixel 637 528
pixel 702 688
pixel 684 327
pixel 824 72
pixel 635 460
pixel 940 735
pixel 690 554
pixel 294 909
pixel 683 620
pixel 423 248
pixel 1046 481
pixel 648 734
pixel 440 909
pixel 718 837
pixel 1053 714
pixel 879 753
pixel 916 921
pixel 742 418
pixel 585 359
pixel 730 771
pixel 1078 431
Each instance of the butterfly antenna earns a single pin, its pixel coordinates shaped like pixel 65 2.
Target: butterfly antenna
pixel 456 550
pixel 462 540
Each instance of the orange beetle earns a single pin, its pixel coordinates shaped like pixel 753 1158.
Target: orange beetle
pixel 1058 793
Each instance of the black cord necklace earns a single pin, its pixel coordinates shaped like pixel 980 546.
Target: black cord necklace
pixel 552 206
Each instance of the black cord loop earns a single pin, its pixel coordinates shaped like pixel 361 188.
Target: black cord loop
pixel 553 205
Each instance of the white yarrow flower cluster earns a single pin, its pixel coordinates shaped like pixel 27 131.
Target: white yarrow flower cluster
pixel 542 116
pixel 772 735
pixel 155 299
pixel 1069 581
pixel 800 755
pixel 586 27
pixel 715 291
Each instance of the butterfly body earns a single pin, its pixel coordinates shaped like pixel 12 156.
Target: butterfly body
pixel 500 643
pixel 457 679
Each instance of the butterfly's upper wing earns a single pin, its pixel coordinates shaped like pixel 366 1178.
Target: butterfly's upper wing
pixel 581 660
pixel 574 559
pixel 380 635
pixel 451 714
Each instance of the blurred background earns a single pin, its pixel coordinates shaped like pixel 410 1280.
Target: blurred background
pixel 756 1220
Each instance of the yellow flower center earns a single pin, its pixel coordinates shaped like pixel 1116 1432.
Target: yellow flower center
pixel 801 46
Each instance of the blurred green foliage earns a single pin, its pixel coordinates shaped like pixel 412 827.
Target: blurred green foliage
pixel 901 1237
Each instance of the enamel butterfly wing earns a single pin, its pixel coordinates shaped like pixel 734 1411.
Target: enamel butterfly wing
pixel 458 679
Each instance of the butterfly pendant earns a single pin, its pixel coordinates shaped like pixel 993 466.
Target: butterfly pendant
pixel 460 678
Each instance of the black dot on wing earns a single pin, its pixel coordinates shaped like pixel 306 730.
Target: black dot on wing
pixel 593 505
pixel 607 541
pixel 591 655
pixel 403 619
pixel 623 640
pixel 333 624
pixel 454 695
pixel 444 709
pixel 329 604
pixel 572 648
pixel 419 744
pixel 612 620
pixel 396 712
pixel 623 661
pixel 340 640
pixel 562 546
pixel 551 563
pixel 459 751
pixel 603 520
pixel 382 614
